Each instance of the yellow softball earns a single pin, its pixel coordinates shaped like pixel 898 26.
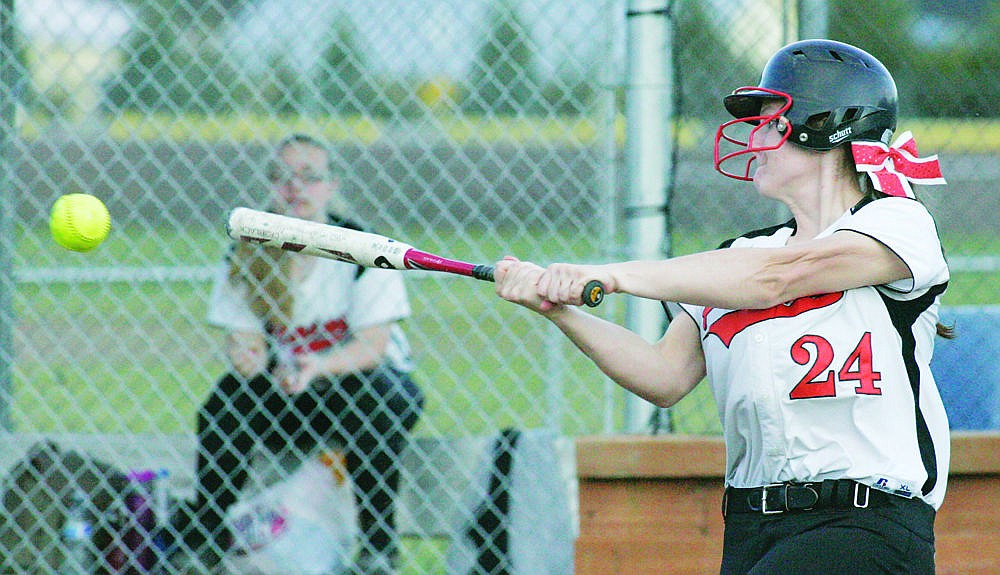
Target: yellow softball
pixel 79 222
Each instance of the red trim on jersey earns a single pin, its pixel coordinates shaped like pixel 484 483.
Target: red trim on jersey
pixel 732 323
pixel 314 337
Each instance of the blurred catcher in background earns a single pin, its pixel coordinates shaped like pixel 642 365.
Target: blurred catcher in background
pixel 317 354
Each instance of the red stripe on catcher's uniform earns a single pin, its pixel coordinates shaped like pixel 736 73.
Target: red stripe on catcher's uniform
pixel 314 337
pixel 732 323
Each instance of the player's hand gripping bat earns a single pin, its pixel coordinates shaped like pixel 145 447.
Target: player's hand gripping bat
pixel 361 248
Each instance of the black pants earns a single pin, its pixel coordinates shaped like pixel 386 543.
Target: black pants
pixel 898 538
pixel 369 413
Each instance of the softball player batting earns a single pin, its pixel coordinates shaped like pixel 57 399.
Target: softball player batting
pixel 816 334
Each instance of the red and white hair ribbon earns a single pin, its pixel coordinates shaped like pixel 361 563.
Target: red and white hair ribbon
pixel 892 168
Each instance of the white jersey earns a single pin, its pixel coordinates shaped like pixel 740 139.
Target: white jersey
pixel 334 300
pixel 837 386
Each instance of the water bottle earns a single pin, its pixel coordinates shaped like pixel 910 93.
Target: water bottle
pixel 77 534
pixel 141 543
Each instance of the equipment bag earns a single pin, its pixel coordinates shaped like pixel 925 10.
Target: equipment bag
pixel 37 494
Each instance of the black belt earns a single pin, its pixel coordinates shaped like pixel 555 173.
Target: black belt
pixel 804 496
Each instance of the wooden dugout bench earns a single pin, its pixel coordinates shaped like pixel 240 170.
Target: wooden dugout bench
pixel 652 505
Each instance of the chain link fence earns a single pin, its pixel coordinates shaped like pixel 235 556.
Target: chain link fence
pixel 473 128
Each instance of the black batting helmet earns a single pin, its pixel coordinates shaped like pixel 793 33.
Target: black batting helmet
pixel 834 93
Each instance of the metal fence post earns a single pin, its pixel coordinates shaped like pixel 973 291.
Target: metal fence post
pixel 647 160
pixel 8 106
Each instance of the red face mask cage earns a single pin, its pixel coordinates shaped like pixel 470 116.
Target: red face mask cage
pixel 746 147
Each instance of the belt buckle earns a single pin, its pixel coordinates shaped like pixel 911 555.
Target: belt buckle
pixel 763 499
pixel 811 487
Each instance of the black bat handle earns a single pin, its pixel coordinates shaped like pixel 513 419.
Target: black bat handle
pixel 593 292
pixel 483 272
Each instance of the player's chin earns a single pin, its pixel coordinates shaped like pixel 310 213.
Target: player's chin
pixel 764 184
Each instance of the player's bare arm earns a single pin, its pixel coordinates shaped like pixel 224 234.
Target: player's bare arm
pixel 738 278
pixel 661 372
